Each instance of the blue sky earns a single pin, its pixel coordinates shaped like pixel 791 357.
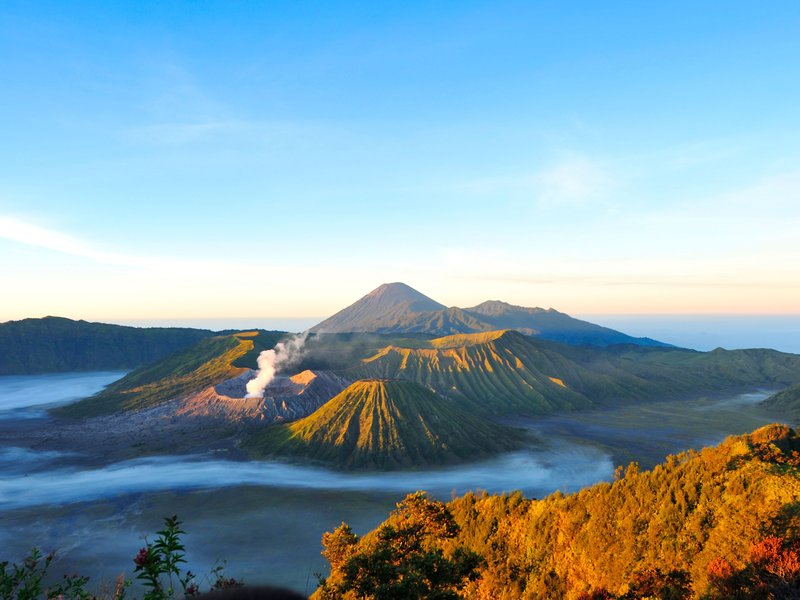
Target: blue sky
pixel 240 159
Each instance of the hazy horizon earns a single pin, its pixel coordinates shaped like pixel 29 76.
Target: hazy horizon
pixel 697 332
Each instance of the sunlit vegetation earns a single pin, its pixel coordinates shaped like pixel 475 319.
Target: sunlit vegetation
pixel 386 424
pixel 717 524
pixel 722 522
pixel 211 361
pixel 401 559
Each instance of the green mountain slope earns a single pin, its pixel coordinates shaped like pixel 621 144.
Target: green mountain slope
pixel 385 425
pixel 787 400
pixel 505 372
pixel 698 511
pixel 397 308
pixel 674 372
pixel 55 344
pixel 191 370
pixel 495 372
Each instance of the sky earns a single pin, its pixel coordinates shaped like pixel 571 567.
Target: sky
pixel 234 159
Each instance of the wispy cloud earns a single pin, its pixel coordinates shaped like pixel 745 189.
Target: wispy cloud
pixel 37 236
pixel 573 180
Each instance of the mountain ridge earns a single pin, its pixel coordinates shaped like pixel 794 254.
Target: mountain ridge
pixel 188 371
pixel 57 344
pixel 506 372
pixel 398 308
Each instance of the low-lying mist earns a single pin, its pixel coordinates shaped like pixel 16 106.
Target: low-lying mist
pixel 535 472
pixel 267 518
pixel 19 392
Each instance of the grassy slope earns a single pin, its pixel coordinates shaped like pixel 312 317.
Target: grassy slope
pixel 495 372
pixel 788 400
pixel 209 362
pixel 680 515
pixel 55 344
pixel 506 372
pixel 674 372
pixel 385 425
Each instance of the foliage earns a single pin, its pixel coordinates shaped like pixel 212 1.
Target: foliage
pixel 402 560
pixel 773 571
pixel 163 558
pixel 157 566
pixel 25 581
pixel 681 530
pixel 654 583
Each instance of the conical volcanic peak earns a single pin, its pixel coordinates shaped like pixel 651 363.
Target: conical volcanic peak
pixel 383 307
pixel 386 424
pixel 393 294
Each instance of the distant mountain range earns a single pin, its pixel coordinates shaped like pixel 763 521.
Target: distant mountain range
pixel 420 400
pixel 386 383
pixel 56 344
pixel 398 308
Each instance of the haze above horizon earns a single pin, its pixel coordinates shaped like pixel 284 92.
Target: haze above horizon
pixel 185 161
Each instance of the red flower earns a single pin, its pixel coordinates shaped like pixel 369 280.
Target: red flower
pixel 142 558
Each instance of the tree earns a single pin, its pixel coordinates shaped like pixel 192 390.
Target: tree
pixel 403 560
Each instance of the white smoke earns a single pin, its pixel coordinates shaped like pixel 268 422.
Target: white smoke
pixel 270 361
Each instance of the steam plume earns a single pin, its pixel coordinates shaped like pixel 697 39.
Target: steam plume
pixel 270 361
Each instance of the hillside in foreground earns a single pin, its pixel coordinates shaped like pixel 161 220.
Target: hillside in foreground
pixel 385 425
pixel 718 523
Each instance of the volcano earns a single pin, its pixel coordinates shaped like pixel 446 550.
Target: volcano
pixel 399 308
